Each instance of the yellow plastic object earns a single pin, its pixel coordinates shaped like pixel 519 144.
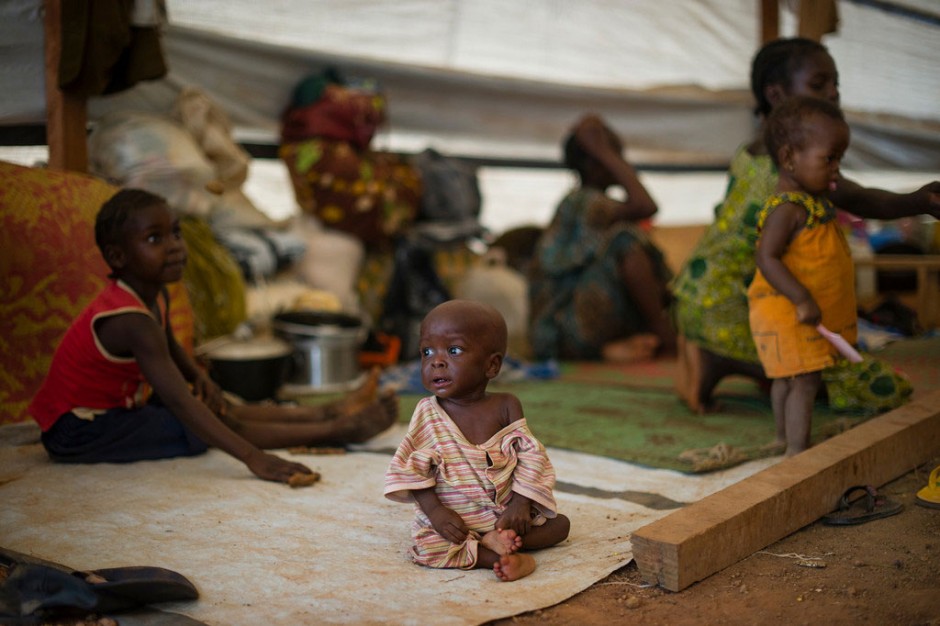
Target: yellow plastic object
pixel 930 495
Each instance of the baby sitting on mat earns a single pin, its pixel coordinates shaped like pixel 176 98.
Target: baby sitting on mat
pixel 481 482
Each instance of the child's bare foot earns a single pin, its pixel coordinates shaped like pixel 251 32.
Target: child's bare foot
pixel 365 395
pixel 641 347
pixel 504 541
pixel 356 401
pixel 513 566
pixel 389 401
pixel 356 425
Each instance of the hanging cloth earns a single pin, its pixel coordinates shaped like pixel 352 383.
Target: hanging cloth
pixel 104 51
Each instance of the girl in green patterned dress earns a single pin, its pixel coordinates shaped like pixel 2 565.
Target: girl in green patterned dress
pixel 710 292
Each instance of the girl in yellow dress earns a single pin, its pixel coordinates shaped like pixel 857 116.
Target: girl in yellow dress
pixel 805 275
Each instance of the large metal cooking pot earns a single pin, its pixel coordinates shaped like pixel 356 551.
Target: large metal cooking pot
pixel 253 369
pixel 326 349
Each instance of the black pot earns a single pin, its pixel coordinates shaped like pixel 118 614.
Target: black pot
pixel 253 369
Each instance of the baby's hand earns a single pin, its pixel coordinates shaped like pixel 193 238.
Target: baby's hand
pixel 271 467
pixel 807 312
pixel 448 524
pixel 516 516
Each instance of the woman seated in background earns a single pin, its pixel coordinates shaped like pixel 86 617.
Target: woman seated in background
pixel 598 285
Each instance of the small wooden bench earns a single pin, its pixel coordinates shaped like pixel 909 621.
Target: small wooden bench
pixel 927 269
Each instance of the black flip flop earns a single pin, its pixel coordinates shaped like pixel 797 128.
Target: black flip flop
pixel 119 588
pixel 869 508
pixel 43 590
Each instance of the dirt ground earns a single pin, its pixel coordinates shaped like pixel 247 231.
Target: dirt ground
pixel 884 571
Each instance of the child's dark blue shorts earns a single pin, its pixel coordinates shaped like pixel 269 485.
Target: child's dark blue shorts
pixel 121 436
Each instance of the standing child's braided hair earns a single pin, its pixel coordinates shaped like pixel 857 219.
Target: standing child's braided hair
pixel 776 63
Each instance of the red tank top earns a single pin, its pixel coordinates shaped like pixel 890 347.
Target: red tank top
pixel 83 375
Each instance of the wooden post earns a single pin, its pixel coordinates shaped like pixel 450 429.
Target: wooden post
pixel 769 20
pixel 66 115
pixel 818 18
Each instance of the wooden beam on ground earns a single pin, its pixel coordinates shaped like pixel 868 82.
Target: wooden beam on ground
pixel 720 530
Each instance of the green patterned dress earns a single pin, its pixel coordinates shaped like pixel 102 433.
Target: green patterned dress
pixel 711 289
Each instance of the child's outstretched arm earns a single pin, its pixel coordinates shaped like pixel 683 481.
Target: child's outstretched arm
pixel 141 336
pixel 446 522
pixel 204 388
pixel 886 205
pixel 595 137
pixel 779 228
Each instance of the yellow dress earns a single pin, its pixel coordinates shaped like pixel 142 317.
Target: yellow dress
pixel 819 257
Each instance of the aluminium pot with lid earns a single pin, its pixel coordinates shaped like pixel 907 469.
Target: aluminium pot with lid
pixel 326 349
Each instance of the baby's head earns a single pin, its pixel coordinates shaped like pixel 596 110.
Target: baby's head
pixel 477 321
pixel 114 214
pixel 462 346
pixel 789 67
pixel 795 123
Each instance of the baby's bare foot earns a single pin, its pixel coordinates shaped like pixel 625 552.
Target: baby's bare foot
pixel 504 541
pixel 513 566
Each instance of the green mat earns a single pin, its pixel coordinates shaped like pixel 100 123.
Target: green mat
pixel 651 427
pixel 632 412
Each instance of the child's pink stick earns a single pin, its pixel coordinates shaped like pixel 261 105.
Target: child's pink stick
pixel 843 346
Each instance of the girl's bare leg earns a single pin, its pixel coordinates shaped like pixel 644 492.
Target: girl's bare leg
pixel 355 401
pixel 689 373
pixel 262 424
pixel 799 410
pixel 779 390
pixel 284 414
pixel 704 370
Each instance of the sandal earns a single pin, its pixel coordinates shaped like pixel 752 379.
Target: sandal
pixel 33 589
pixel 872 507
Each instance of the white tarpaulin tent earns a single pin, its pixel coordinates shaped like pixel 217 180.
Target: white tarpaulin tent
pixel 504 80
